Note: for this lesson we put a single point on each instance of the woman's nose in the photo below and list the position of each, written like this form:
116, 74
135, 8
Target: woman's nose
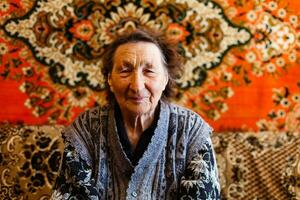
137, 82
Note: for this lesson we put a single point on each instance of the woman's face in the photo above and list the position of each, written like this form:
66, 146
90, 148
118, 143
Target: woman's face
138, 77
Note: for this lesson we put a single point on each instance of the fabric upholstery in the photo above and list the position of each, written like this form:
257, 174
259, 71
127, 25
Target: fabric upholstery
263, 165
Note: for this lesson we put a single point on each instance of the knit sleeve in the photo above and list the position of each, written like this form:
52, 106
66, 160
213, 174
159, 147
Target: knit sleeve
74, 180
200, 179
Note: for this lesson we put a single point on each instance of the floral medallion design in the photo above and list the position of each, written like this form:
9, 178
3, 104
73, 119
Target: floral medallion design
71, 36
237, 53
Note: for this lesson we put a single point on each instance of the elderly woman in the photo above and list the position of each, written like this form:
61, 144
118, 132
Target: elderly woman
140, 146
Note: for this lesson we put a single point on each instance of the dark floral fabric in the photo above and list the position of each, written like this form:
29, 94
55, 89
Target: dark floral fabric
74, 180
200, 180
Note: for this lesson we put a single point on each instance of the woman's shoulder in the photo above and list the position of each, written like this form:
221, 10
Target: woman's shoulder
190, 116
182, 111
88, 120
84, 130
97, 110
92, 114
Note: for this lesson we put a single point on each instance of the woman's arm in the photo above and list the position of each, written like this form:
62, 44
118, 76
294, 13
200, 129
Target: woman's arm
200, 179
74, 180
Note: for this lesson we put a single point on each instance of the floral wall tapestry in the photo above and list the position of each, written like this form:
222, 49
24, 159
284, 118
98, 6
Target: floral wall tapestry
242, 69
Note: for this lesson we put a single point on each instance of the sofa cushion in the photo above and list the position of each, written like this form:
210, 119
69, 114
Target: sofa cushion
29, 160
263, 165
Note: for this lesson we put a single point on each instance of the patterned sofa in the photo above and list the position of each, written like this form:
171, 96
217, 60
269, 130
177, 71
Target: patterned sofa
257, 166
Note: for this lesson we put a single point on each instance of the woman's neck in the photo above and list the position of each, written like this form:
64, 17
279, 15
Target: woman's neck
135, 125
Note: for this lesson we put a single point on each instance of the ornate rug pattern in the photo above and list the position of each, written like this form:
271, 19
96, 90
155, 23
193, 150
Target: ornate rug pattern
241, 58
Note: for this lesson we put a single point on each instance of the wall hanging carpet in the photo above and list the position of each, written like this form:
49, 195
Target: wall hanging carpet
241, 58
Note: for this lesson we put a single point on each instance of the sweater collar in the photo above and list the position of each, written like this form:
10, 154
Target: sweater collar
153, 150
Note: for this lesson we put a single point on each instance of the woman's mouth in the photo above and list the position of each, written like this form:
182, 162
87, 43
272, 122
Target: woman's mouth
137, 99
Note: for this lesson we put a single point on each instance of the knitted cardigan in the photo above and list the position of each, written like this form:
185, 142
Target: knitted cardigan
179, 162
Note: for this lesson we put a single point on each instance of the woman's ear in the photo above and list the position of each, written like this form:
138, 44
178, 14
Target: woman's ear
109, 83
166, 79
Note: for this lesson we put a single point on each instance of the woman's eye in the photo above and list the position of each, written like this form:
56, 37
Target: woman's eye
150, 71
125, 70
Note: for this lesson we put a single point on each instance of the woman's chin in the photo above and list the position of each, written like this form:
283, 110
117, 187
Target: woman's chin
139, 111
138, 108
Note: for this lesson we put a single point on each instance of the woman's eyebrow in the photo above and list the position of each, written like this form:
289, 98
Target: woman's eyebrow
148, 65
127, 63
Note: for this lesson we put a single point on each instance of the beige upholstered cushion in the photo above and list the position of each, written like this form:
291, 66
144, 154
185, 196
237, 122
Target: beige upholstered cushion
262, 165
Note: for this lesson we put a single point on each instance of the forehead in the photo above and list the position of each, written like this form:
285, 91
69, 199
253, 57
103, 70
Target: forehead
138, 52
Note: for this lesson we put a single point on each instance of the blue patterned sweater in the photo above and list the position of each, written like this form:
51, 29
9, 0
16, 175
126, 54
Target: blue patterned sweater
179, 162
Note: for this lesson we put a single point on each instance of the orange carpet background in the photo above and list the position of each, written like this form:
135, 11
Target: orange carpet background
245, 92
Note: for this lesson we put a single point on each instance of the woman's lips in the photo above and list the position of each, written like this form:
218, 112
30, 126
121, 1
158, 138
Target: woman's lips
137, 99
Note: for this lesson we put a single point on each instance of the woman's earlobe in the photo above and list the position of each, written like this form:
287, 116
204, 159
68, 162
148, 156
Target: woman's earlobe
111, 89
109, 86
167, 81
109, 83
